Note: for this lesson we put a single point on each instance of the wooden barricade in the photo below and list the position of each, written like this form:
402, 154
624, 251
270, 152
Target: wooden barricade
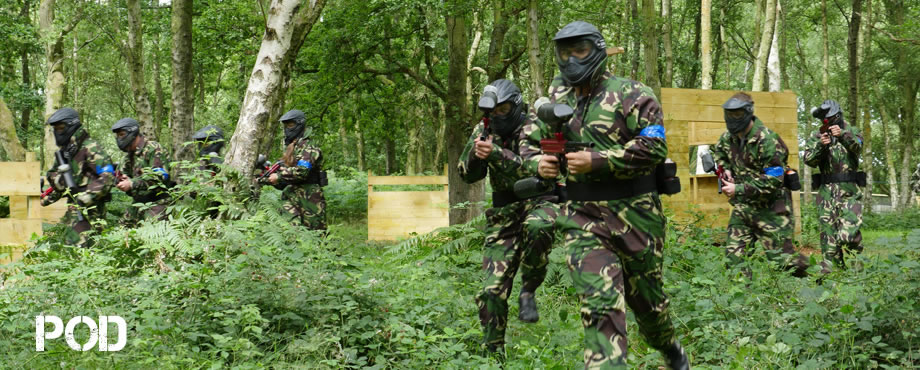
695, 117
395, 214
20, 183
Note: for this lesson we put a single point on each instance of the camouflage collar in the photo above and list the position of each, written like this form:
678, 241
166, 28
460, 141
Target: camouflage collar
755, 131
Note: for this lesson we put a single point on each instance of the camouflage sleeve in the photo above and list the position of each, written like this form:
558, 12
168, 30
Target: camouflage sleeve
472, 169
155, 176
768, 180
852, 139
101, 175
814, 150
647, 148
529, 143
720, 151
300, 171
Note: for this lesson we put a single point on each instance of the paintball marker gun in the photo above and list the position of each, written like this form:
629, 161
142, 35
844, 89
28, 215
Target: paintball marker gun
45, 192
820, 114
555, 115
64, 169
486, 104
710, 166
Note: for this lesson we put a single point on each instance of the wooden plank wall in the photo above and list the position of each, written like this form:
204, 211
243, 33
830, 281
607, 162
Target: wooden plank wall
20, 182
695, 117
392, 215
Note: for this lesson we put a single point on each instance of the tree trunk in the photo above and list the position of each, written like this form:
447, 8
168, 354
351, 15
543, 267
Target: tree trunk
286, 28
474, 48
825, 77
135, 56
650, 45
865, 44
889, 154
773, 68
907, 137
26, 75
458, 122
497, 41
413, 125
343, 133
853, 62
765, 39
359, 144
54, 82
533, 50
705, 43
389, 148
9, 141
668, 80
437, 111
159, 109
690, 81
634, 53
182, 114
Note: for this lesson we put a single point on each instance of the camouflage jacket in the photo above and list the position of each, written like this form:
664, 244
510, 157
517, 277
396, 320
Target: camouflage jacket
915, 180
621, 117
148, 168
305, 173
757, 163
504, 163
93, 173
841, 156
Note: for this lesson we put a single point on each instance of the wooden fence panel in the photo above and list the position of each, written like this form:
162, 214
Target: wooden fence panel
392, 215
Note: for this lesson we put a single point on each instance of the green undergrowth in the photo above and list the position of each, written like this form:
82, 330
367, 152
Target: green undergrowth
226, 283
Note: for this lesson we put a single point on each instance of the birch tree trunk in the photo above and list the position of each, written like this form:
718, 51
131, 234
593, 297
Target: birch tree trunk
533, 50
773, 68
764, 50
853, 61
359, 143
9, 141
26, 75
634, 53
497, 40
650, 45
457, 119
705, 43
54, 81
134, 52
288, 23
182, 114
159, 109
668, 80
474, 48
437, 111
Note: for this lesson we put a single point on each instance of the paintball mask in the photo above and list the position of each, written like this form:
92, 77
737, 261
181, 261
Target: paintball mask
580, 53
210, 140
297, 130
507, 113
131, 129
738, 114
71, 119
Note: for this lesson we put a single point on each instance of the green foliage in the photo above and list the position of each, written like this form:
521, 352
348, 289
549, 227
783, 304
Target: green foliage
346, 195
4, 207
906, 220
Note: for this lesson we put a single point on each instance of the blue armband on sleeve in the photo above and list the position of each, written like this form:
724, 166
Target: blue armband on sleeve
103, 169
776, 171
304, 164
653, 131
161, 171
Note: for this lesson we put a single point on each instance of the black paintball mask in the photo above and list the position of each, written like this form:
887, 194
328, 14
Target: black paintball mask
300, 125
738, 115
71, 119
508, 114
210, 140
581, 53
829, 113
131, 128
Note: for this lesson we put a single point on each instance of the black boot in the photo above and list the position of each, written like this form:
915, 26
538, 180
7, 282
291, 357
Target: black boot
676, 357
527, 308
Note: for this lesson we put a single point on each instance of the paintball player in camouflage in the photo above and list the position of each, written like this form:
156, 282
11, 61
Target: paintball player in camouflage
613, 221
91, 171
835, 150
519, 232
754, 158
144, 175
301, 177
210, 140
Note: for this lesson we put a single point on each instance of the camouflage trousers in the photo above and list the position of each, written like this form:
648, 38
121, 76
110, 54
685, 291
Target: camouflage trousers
840, 215
614, 254
133, 215
773, 227
79, 231
306, 206
518, 235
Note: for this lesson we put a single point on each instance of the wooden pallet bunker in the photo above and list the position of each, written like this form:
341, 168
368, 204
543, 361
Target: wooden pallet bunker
20, 183
695, 117
395, 214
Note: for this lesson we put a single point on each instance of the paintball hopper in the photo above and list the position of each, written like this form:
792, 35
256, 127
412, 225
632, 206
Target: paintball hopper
262, 162
552, 113
708, 164
489, 99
